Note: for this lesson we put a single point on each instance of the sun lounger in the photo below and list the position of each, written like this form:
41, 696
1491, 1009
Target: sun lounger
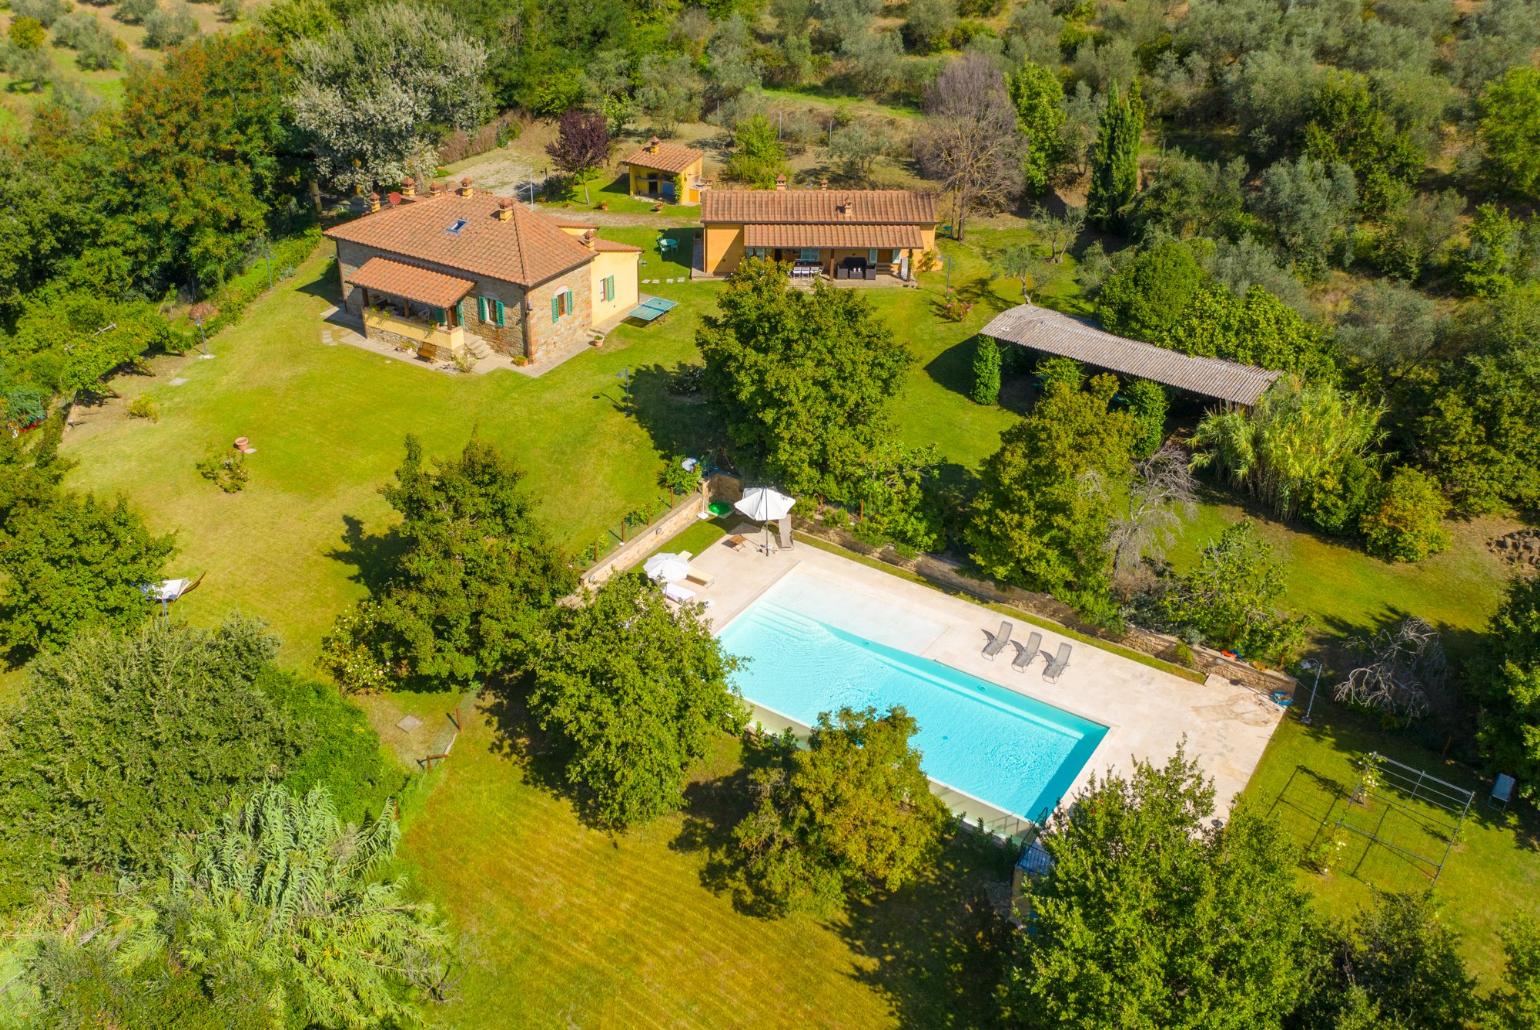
1026, 654
699, 576
998, 641
678, 594
1057, 664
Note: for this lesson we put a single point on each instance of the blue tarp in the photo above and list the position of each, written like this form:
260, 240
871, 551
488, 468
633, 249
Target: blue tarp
651, 309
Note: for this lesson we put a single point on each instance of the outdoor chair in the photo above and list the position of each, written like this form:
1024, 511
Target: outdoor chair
1057, 664
1502, 791
998, 641
737, 541
678, 594
1024, 655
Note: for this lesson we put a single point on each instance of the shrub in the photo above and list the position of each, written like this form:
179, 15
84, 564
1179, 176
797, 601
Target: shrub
231, 10
225, 468
1147, 402
144, 406
1407, 521
134, 12
44, 12
165, 28
24, 407
1146, 297
26, 34
986, 369
677, 479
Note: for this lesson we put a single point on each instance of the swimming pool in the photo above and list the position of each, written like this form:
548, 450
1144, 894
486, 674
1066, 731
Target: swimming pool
1007, 750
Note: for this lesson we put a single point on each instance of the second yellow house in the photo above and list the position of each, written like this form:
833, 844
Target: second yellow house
872, 235
670, 172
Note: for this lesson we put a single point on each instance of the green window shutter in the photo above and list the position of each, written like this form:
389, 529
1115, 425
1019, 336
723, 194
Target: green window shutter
497, 311
460, 312
555, 306
438, 315
481, 308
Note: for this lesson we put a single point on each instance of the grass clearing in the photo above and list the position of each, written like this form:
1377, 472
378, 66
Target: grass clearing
1492, 874
560, 924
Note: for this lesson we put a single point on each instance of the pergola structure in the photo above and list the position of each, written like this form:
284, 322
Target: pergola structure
1050, 332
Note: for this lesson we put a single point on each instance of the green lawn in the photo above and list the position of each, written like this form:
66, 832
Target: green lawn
1492, 874
559, 924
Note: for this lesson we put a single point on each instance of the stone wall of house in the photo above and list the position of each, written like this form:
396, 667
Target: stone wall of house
526, 333
549, 342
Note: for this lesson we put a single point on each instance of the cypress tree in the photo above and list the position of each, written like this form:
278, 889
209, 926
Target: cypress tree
1115, 160
986, 369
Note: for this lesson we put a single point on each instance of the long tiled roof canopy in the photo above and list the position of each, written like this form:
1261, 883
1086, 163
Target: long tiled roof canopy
669, 157
793, 207
854, 236
1053, 333
420, 284
465, 233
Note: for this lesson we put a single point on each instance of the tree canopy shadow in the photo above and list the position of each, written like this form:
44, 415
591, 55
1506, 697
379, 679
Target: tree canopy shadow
678, 423
938, 947
372, 555
325, 284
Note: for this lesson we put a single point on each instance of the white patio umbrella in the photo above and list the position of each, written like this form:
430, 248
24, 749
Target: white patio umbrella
666, 567
766, 505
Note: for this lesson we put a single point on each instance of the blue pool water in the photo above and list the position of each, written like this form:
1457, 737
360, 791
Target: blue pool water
1010, 751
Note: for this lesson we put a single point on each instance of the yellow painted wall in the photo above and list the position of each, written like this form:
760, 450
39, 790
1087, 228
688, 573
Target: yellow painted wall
623, 266
723, 249
689, 194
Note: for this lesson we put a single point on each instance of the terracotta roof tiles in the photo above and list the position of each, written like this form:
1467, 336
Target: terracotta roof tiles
669, 157
790, 207
420, 284
465, 233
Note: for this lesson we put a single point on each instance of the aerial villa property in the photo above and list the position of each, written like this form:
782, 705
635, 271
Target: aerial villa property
670, 172
462, 274
874, 236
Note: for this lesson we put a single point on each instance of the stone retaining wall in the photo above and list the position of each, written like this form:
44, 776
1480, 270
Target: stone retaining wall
649, 538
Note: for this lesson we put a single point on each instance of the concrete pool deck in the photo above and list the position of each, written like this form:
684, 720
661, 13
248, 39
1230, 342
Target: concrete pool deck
1146, 711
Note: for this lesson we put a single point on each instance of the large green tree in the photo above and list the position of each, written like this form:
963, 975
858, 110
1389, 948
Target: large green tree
632, 691
1044, 509
1151, 916
123, 744
375, 94
464, 596
1149, 294
202, 155
1038, 96
805, 383
1506, 682
1479, 430
1395, 964
849, 814
1254, 329
1349, 123
70, 563
1509, 127
1115, 161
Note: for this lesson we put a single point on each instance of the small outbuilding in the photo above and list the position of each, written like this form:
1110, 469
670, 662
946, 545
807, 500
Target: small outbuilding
670, 172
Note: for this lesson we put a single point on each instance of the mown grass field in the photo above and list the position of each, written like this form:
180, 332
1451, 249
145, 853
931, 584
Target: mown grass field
560, 923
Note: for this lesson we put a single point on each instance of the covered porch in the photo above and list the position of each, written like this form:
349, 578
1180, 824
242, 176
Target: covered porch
872, 254
416, 307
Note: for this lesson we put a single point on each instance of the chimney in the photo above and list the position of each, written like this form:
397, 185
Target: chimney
436, 189
845, 207
652, 145
823, 183
504, 208
374, 202
780, 182
588, 239
408, 187
465, 187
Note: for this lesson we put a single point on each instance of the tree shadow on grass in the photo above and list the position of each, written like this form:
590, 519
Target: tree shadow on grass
371, 554
937, 948
712, 809
325, 284
682, 424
